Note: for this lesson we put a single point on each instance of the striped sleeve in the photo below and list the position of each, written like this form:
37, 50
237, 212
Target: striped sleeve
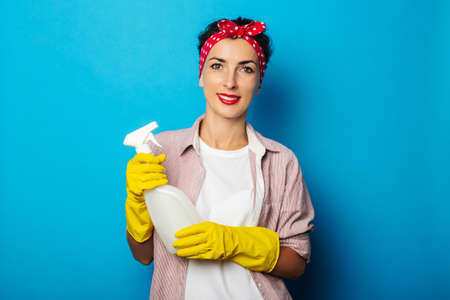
296, 212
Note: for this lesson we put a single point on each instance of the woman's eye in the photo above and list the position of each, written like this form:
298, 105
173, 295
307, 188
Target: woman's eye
248, 69
216, 66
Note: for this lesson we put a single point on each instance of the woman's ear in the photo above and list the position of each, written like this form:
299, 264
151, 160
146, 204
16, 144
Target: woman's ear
257, 90
201, 83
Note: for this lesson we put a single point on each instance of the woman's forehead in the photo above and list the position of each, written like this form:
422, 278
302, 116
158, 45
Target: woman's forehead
233, 49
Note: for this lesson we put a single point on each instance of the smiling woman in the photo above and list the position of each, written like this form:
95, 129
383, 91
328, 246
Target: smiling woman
248, 189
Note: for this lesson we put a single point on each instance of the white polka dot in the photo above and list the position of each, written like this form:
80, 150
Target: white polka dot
254, 28
236, 28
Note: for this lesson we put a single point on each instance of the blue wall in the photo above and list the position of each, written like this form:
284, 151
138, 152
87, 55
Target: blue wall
359, 90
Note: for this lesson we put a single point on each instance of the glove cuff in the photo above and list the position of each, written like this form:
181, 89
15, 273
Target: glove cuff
276, 253
258, 248
139, 223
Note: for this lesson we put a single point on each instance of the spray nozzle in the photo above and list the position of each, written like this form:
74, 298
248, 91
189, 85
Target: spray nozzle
140, 138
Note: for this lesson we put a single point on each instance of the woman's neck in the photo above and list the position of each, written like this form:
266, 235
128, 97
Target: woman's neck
223, 134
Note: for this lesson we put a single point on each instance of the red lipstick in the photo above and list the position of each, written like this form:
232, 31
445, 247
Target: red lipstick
228, 99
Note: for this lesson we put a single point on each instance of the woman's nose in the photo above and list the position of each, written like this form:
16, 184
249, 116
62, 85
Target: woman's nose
230, 80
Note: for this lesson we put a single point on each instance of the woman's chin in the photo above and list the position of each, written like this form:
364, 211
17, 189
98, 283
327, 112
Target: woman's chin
230, 113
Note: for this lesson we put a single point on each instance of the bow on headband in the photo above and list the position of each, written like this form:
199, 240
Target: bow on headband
229, 29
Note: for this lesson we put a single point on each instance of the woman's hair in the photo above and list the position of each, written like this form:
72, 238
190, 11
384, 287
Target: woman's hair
262, 39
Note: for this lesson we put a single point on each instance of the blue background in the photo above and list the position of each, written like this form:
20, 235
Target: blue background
359, 90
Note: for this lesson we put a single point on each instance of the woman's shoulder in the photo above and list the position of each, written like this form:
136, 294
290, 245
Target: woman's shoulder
280, 154
281, 157
275, 147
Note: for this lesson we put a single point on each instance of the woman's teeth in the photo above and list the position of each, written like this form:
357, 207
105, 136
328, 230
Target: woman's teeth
229, 98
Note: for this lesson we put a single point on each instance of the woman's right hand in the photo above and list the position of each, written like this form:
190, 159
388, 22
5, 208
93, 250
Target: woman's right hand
144, 172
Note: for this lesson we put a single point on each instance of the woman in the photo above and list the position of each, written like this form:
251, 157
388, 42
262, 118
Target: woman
249, 188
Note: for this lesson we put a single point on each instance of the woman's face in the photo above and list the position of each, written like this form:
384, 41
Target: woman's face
230, 78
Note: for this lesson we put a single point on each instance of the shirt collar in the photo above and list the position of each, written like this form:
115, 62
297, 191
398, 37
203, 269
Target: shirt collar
256, 142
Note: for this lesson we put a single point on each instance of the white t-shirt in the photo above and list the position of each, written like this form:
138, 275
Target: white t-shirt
226, 197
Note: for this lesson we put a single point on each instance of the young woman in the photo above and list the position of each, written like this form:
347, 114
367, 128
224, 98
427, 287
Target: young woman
249, 188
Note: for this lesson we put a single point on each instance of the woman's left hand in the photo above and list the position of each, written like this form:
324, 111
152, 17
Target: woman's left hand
255, 248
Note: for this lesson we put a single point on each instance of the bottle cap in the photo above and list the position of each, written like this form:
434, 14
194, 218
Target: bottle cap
140, 138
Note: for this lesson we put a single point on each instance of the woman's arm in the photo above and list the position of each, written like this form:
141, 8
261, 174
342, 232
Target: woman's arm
290, 265
142, 252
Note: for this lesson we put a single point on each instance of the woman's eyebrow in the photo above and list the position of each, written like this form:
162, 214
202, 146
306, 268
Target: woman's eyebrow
241, 62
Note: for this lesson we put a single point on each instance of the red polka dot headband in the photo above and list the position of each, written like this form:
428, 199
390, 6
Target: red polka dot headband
229, 29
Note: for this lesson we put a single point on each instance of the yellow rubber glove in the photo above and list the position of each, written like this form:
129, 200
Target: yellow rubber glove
254, 248
144, 172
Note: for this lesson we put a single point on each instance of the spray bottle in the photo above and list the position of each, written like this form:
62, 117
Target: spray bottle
169, 207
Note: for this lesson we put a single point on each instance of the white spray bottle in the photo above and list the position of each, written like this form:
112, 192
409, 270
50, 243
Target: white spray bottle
169, 207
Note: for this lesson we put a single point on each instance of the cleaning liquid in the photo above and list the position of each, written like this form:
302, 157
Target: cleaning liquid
169, 207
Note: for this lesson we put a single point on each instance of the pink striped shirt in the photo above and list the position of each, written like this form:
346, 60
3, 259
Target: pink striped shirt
285, 208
